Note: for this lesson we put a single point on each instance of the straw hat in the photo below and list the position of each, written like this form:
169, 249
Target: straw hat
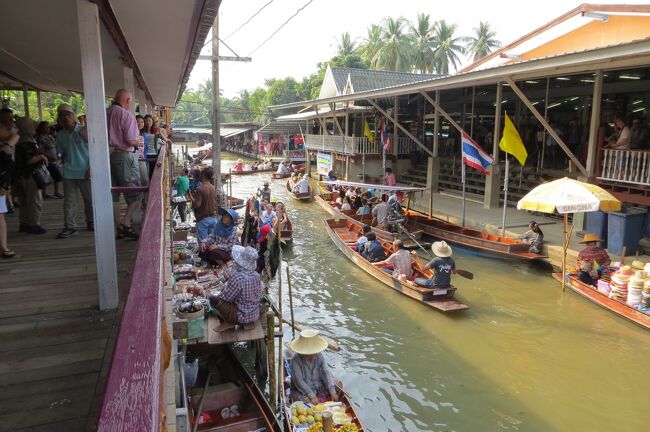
239, 161
441, 249
308, 343
245, 257
646, 268
591, 237
636, 282
638, 265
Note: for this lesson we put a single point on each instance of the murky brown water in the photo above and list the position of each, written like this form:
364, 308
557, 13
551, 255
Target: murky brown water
524, 357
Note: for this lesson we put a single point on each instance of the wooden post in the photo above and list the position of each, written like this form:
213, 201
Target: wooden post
270, 343
39, 105
293, 321
497, 123
280, 363
594, 125
26, 99
436, 126
92, 69
395, 132
216, 121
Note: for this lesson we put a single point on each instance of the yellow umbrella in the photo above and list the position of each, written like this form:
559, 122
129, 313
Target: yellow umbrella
566, 196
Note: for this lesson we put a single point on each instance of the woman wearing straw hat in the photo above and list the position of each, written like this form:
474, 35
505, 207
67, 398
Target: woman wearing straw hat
587, 256
442, 265
239, 166
311, 380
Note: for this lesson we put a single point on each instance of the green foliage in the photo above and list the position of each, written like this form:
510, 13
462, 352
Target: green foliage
49, 103
482, 42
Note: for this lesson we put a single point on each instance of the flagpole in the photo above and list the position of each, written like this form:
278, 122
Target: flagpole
505, 196
462, 173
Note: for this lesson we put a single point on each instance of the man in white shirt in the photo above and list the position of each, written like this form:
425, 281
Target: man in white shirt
380, 213
400, 261
282, 169
268, 215
302, 186
622, 142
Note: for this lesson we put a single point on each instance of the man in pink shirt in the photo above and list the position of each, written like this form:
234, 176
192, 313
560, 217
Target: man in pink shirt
123, 139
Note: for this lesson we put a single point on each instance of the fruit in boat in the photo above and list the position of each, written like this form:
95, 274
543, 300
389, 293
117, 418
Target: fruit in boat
294, 412
302, 419
341, 418
318, 427
318, 417
310, 419
295, 420
320, 407
348, 428
310, 411
302, 411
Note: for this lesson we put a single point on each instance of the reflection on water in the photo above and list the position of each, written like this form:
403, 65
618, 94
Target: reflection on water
524, 357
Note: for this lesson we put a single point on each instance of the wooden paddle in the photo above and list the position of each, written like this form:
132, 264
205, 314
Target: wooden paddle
466, 274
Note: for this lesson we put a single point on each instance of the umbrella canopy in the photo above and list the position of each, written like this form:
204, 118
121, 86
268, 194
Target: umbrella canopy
566, 195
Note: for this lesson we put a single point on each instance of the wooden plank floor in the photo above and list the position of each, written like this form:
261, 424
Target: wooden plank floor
56, 345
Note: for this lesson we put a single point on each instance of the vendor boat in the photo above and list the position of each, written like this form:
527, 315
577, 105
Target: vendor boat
214, 403
621, 309
234, 202
300, 168
305, 196
344, 234
286, 235
346, 407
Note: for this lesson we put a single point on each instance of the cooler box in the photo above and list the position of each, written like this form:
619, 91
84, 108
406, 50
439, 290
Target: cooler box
625, 230
596, 222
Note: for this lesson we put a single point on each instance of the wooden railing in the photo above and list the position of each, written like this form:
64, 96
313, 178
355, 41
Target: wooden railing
133, 394
406, 146
342, 144
626, 166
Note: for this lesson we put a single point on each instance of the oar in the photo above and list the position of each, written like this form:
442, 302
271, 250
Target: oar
466, 274
412, 237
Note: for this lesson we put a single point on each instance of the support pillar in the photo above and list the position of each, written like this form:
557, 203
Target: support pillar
26, 100
594, 125
216, 120
92, 69
493, 181
39, 104
433, 171
395, 132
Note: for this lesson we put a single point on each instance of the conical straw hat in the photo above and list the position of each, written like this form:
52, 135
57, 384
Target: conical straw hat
308, 343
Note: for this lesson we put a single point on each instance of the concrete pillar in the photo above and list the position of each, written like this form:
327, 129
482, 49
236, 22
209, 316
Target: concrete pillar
129, 84
594, 124
493, 181
92, 69
433, 176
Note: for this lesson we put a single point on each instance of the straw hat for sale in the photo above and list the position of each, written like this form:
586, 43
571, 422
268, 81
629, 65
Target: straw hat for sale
636, 264
636, 282
646, 268
308, 343
441, 249
591, 237
245, 257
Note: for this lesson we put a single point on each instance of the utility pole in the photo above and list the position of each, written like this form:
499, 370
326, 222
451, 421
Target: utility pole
216, 121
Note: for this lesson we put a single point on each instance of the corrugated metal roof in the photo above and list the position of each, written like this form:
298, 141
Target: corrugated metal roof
366, 79
285, 127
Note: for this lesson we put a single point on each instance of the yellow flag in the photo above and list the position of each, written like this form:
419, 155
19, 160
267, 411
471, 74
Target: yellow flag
511, 142
368, 133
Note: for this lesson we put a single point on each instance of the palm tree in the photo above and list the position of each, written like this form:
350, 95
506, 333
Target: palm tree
370, 46
422, 35
447, 47
482, 42
346, 46
395, 48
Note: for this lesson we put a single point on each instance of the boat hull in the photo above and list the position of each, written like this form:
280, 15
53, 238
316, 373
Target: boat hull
245, 173
304, 197
439, 299
591, 293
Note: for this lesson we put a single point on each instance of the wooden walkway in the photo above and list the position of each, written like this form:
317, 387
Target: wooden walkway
56, 346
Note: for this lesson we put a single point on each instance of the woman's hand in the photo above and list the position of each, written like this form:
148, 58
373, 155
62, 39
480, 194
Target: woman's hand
314, 400
334, 397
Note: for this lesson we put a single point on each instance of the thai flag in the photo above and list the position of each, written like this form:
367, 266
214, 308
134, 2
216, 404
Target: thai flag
385, 138
475, 156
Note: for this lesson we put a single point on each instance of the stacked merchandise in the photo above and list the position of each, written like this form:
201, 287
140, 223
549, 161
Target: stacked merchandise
635, 288
645, 295
619, 284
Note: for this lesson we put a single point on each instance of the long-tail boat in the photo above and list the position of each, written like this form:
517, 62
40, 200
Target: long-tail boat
344, 234
300, 168
621, 309
471, 239
249, 172
304, 196
326, 201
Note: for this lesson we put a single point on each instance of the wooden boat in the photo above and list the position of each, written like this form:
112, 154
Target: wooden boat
344, 399
344, 234
235, 203
286, 235
325, 200
467, 238
300, 168
249, 172
238, 389
621, 309
306, 196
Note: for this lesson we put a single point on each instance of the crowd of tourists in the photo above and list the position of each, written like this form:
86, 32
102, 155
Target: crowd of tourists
35, 155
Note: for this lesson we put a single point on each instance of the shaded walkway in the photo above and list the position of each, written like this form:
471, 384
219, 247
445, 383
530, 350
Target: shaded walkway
56, 344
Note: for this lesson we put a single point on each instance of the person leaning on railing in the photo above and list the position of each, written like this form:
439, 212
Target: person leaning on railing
620, 140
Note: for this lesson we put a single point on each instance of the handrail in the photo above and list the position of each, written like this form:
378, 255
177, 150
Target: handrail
626, 166
132, 399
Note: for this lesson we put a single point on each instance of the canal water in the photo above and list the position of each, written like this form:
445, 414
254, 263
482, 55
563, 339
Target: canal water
524, 357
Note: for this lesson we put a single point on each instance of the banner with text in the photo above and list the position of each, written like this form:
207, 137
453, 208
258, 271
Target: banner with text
324, 163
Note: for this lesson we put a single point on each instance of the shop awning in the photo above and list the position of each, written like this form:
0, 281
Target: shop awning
373, 186
229, 132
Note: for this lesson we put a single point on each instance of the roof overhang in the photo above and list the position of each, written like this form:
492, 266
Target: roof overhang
321, 112
632, 54
158, 39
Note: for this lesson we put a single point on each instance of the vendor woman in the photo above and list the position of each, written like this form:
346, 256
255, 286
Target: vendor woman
590, 259
216, 249
311, 380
